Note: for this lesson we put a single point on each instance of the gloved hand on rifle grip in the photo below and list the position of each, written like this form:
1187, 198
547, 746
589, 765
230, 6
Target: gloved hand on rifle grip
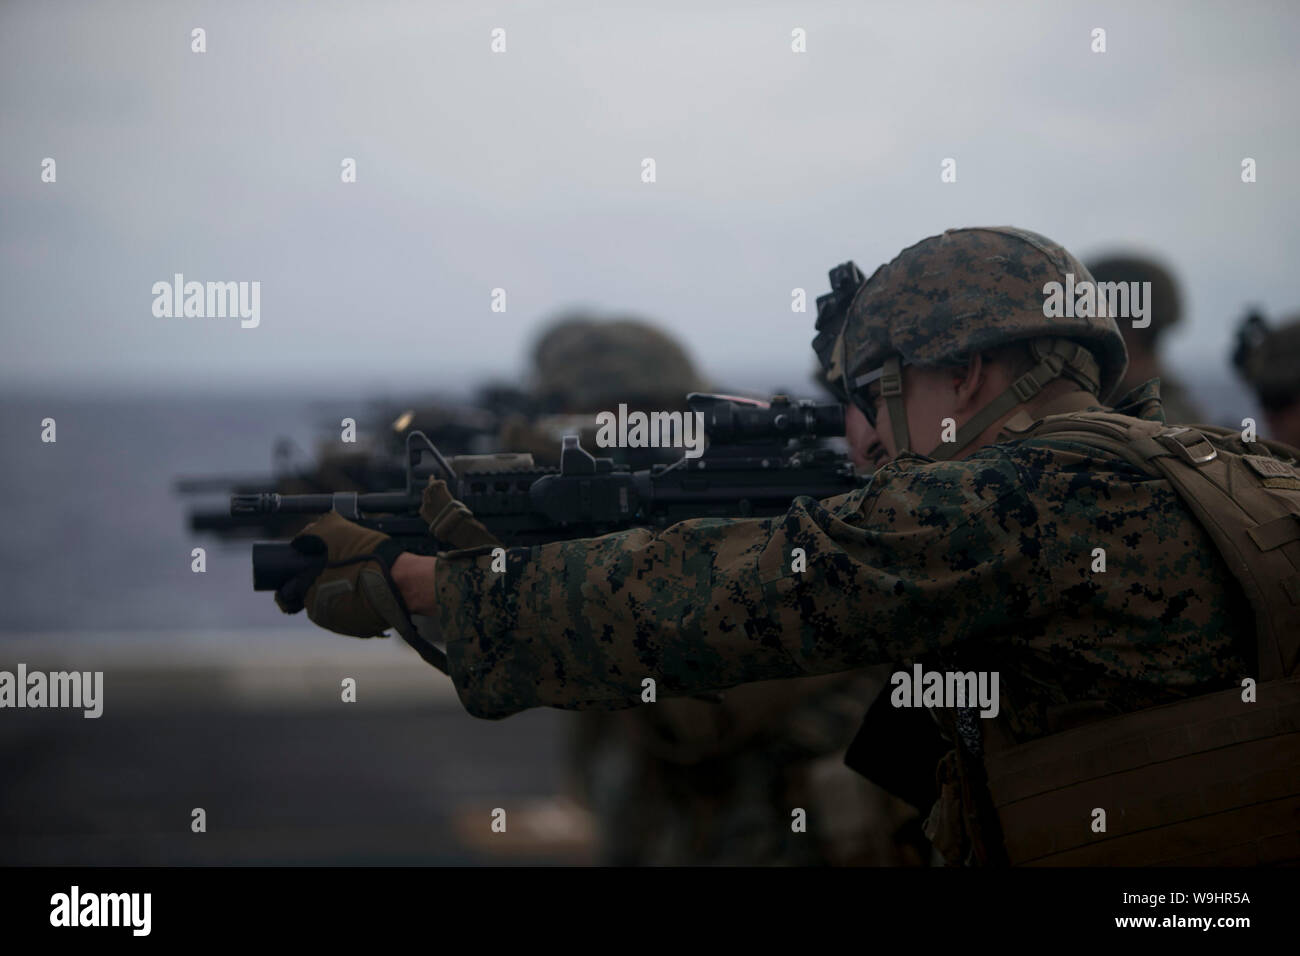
352, 592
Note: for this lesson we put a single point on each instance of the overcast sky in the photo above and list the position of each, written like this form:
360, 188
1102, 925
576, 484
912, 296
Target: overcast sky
522, 170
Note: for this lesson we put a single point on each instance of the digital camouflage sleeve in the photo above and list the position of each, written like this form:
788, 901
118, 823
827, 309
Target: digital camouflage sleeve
985, 563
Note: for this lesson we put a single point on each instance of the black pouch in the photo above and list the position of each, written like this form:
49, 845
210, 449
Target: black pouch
898, 748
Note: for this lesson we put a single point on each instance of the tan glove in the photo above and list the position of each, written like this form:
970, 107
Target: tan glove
353, 592
453, 524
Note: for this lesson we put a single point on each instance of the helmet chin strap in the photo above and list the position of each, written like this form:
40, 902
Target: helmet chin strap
891, 390
1057, 358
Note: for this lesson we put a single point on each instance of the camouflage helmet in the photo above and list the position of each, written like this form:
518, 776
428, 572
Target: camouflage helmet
583, 364
1166, 297
951, 296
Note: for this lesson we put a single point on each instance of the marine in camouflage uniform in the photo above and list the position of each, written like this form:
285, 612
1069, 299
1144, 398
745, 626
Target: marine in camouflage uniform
975, 557
1145, 345
986, 556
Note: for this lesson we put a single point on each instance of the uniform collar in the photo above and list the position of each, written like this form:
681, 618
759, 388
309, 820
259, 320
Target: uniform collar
1143, 402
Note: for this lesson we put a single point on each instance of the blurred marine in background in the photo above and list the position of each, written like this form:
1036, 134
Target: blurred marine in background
1144, 345
1268, 358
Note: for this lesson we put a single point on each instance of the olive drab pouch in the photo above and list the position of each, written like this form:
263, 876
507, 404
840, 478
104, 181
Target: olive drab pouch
1213, 780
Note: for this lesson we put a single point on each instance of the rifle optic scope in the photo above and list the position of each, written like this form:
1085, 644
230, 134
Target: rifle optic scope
732, 420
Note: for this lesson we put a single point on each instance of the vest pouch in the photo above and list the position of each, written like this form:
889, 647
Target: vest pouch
1208, 781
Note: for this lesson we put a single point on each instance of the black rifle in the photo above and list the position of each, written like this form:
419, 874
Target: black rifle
760, 457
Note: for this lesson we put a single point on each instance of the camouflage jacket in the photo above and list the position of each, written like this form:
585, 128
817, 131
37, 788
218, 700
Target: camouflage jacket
983, 563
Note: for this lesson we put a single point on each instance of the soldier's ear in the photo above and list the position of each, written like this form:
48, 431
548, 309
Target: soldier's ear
968, 381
